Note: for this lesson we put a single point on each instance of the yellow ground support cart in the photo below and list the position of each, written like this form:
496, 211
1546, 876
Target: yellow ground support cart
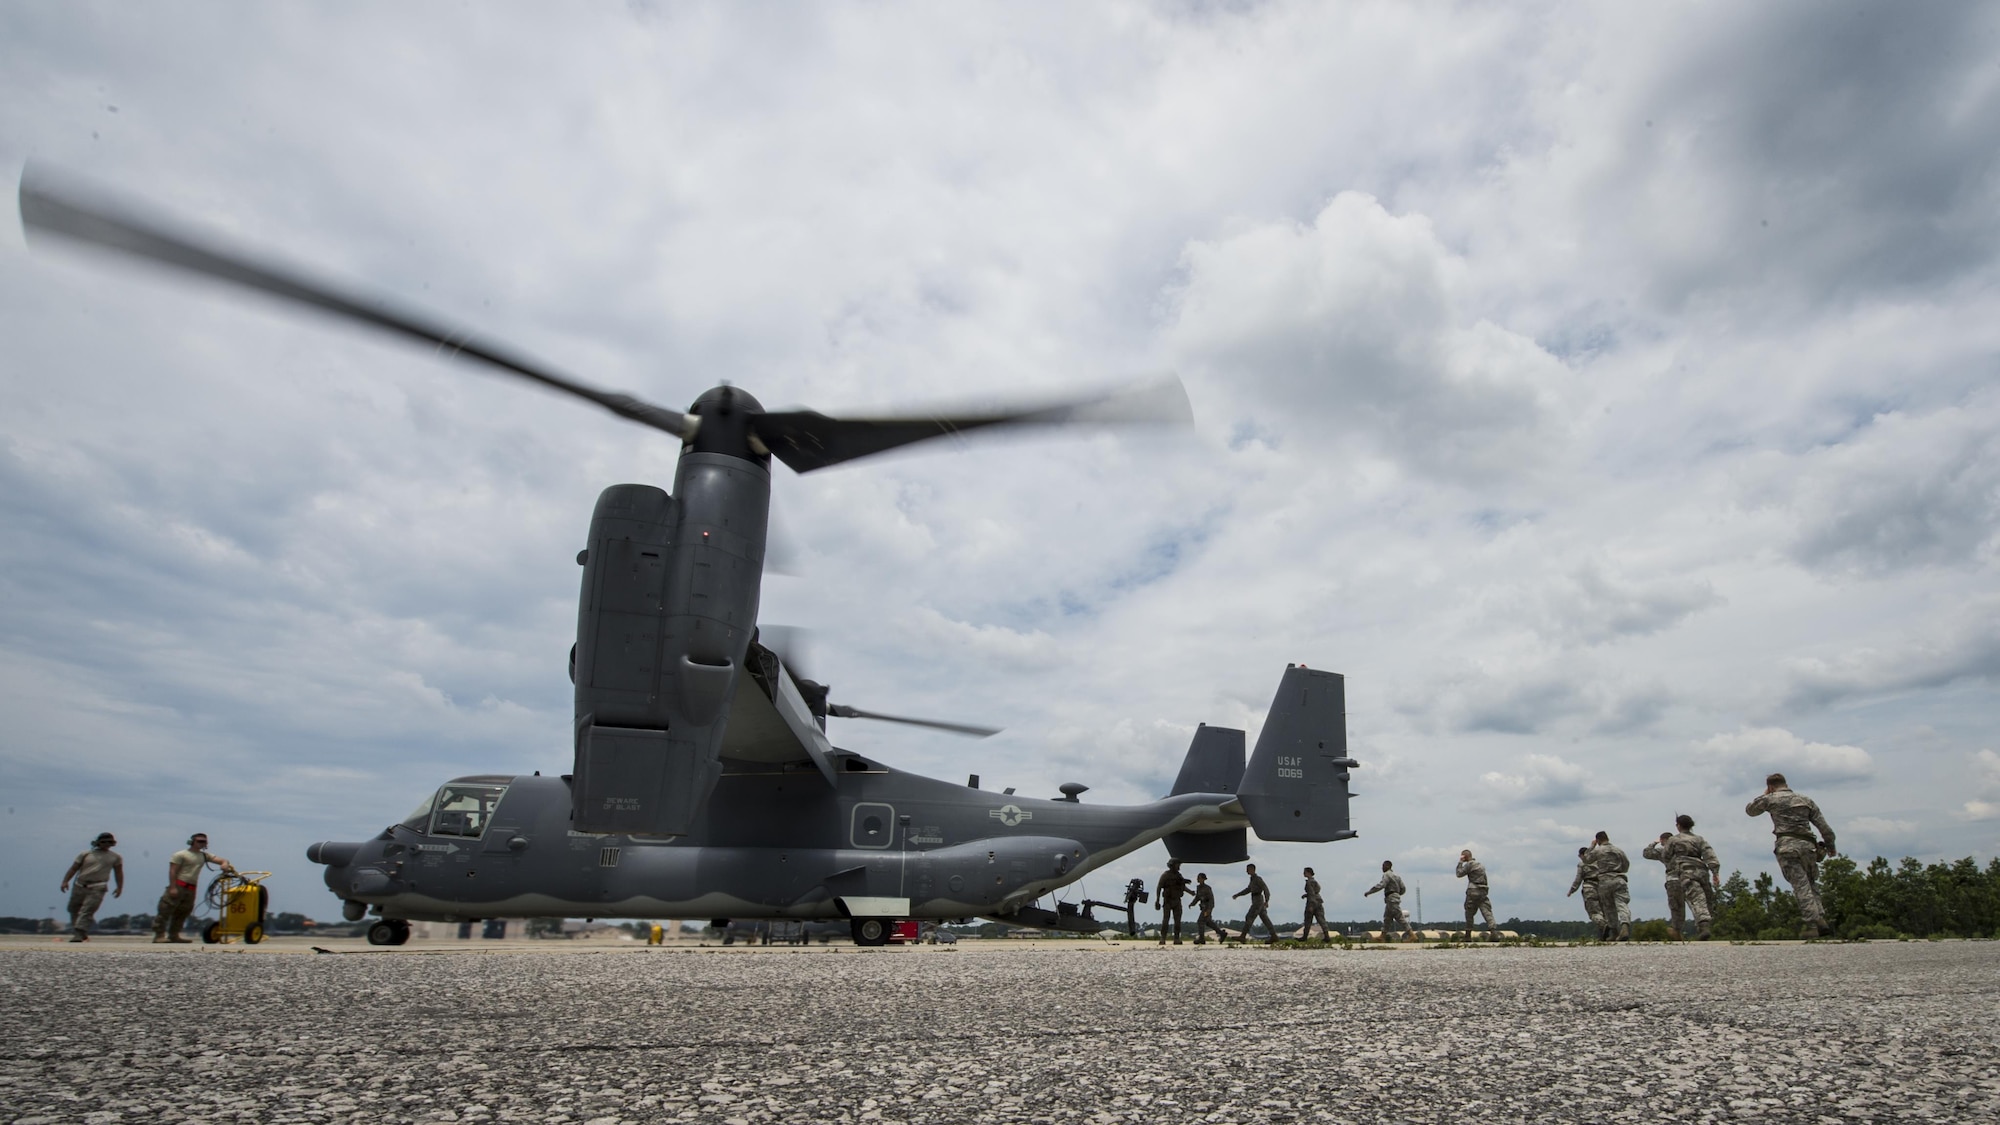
240, 898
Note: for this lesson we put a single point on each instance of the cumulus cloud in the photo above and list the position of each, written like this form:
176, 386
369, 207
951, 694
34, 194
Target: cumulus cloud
1740, 760
1984, 803
1350, 322
1542, 780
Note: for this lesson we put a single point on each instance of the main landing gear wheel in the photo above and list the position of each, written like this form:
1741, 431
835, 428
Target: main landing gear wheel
871, 931
390, 931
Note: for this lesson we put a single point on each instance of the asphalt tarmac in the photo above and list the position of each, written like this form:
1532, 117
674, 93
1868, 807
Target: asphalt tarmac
602, 1033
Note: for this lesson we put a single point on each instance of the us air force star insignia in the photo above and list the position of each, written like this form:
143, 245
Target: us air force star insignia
1010, 815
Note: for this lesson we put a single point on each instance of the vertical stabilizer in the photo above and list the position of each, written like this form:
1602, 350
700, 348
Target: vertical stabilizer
1214, 764
1295, 787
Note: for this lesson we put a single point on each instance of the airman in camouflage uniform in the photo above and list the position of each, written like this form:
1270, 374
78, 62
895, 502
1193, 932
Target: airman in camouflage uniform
1204, 903
1260, 905
1694, 871
1586, 881
1172, 886
91, 872
1315, 908
1391, 887
1474, 874
1614, 897
1658, 850
1793, 818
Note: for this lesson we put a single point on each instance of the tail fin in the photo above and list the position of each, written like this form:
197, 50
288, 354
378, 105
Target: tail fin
1214, 764
1296, 784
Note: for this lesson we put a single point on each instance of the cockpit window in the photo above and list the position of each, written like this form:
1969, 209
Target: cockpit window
420, 816
464, 810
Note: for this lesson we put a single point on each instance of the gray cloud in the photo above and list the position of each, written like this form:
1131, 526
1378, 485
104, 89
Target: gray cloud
1906, 492
1970, 650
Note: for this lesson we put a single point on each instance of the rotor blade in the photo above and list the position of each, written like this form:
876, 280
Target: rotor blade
808, 440
51, 207
846, 712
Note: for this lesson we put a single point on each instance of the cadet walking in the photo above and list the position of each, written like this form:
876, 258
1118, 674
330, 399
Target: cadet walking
1172, 886
1658, 850
1614, 898
1204, 904
1793, 818
1692, 865
184, 870
1586, 881
1476, 901
91, 871
1260, 904
1315, 908
1391, 886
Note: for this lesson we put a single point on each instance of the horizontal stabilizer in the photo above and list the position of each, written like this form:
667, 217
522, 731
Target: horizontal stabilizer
1296, 785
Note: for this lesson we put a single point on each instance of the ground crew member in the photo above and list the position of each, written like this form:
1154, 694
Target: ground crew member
1614, 897
1260, 904
1172, 886
1694, 867
1204, 902
1658, 850
1793, 818
1391, 887
1476, 901
184, 870
1586, 881
91, 871
1315, 908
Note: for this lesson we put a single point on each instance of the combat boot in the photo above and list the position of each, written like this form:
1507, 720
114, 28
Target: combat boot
1809, 931
1492, 935
1625, 932
78, 936
1701, 931
159, 939
1673, 933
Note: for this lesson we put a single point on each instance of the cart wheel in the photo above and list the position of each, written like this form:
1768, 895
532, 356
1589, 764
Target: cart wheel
384, 933
208, 933
254, 934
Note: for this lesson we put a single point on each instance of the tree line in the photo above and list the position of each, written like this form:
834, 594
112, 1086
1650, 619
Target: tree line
1909, 899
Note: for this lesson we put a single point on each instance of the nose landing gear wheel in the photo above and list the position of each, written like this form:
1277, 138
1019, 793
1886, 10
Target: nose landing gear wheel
871, 931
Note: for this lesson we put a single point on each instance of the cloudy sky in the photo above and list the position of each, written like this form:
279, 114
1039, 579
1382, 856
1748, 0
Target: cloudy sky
1608, 391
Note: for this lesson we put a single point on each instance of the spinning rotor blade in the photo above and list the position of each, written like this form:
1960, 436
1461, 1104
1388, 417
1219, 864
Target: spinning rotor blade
808, 440
846, 712
50, 207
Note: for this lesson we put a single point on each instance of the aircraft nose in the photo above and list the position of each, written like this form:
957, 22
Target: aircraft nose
333, 853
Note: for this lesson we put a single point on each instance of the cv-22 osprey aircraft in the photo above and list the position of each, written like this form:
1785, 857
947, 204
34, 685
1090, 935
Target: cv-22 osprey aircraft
704, 783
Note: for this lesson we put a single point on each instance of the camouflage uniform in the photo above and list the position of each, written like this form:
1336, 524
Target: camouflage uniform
1658, 850
1204, 904
1793, 818
1260, 906
1586, 882
1315, 909
1172, 886
1614, 897
1693, 866
1392, 888
92, 874
1474, 874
